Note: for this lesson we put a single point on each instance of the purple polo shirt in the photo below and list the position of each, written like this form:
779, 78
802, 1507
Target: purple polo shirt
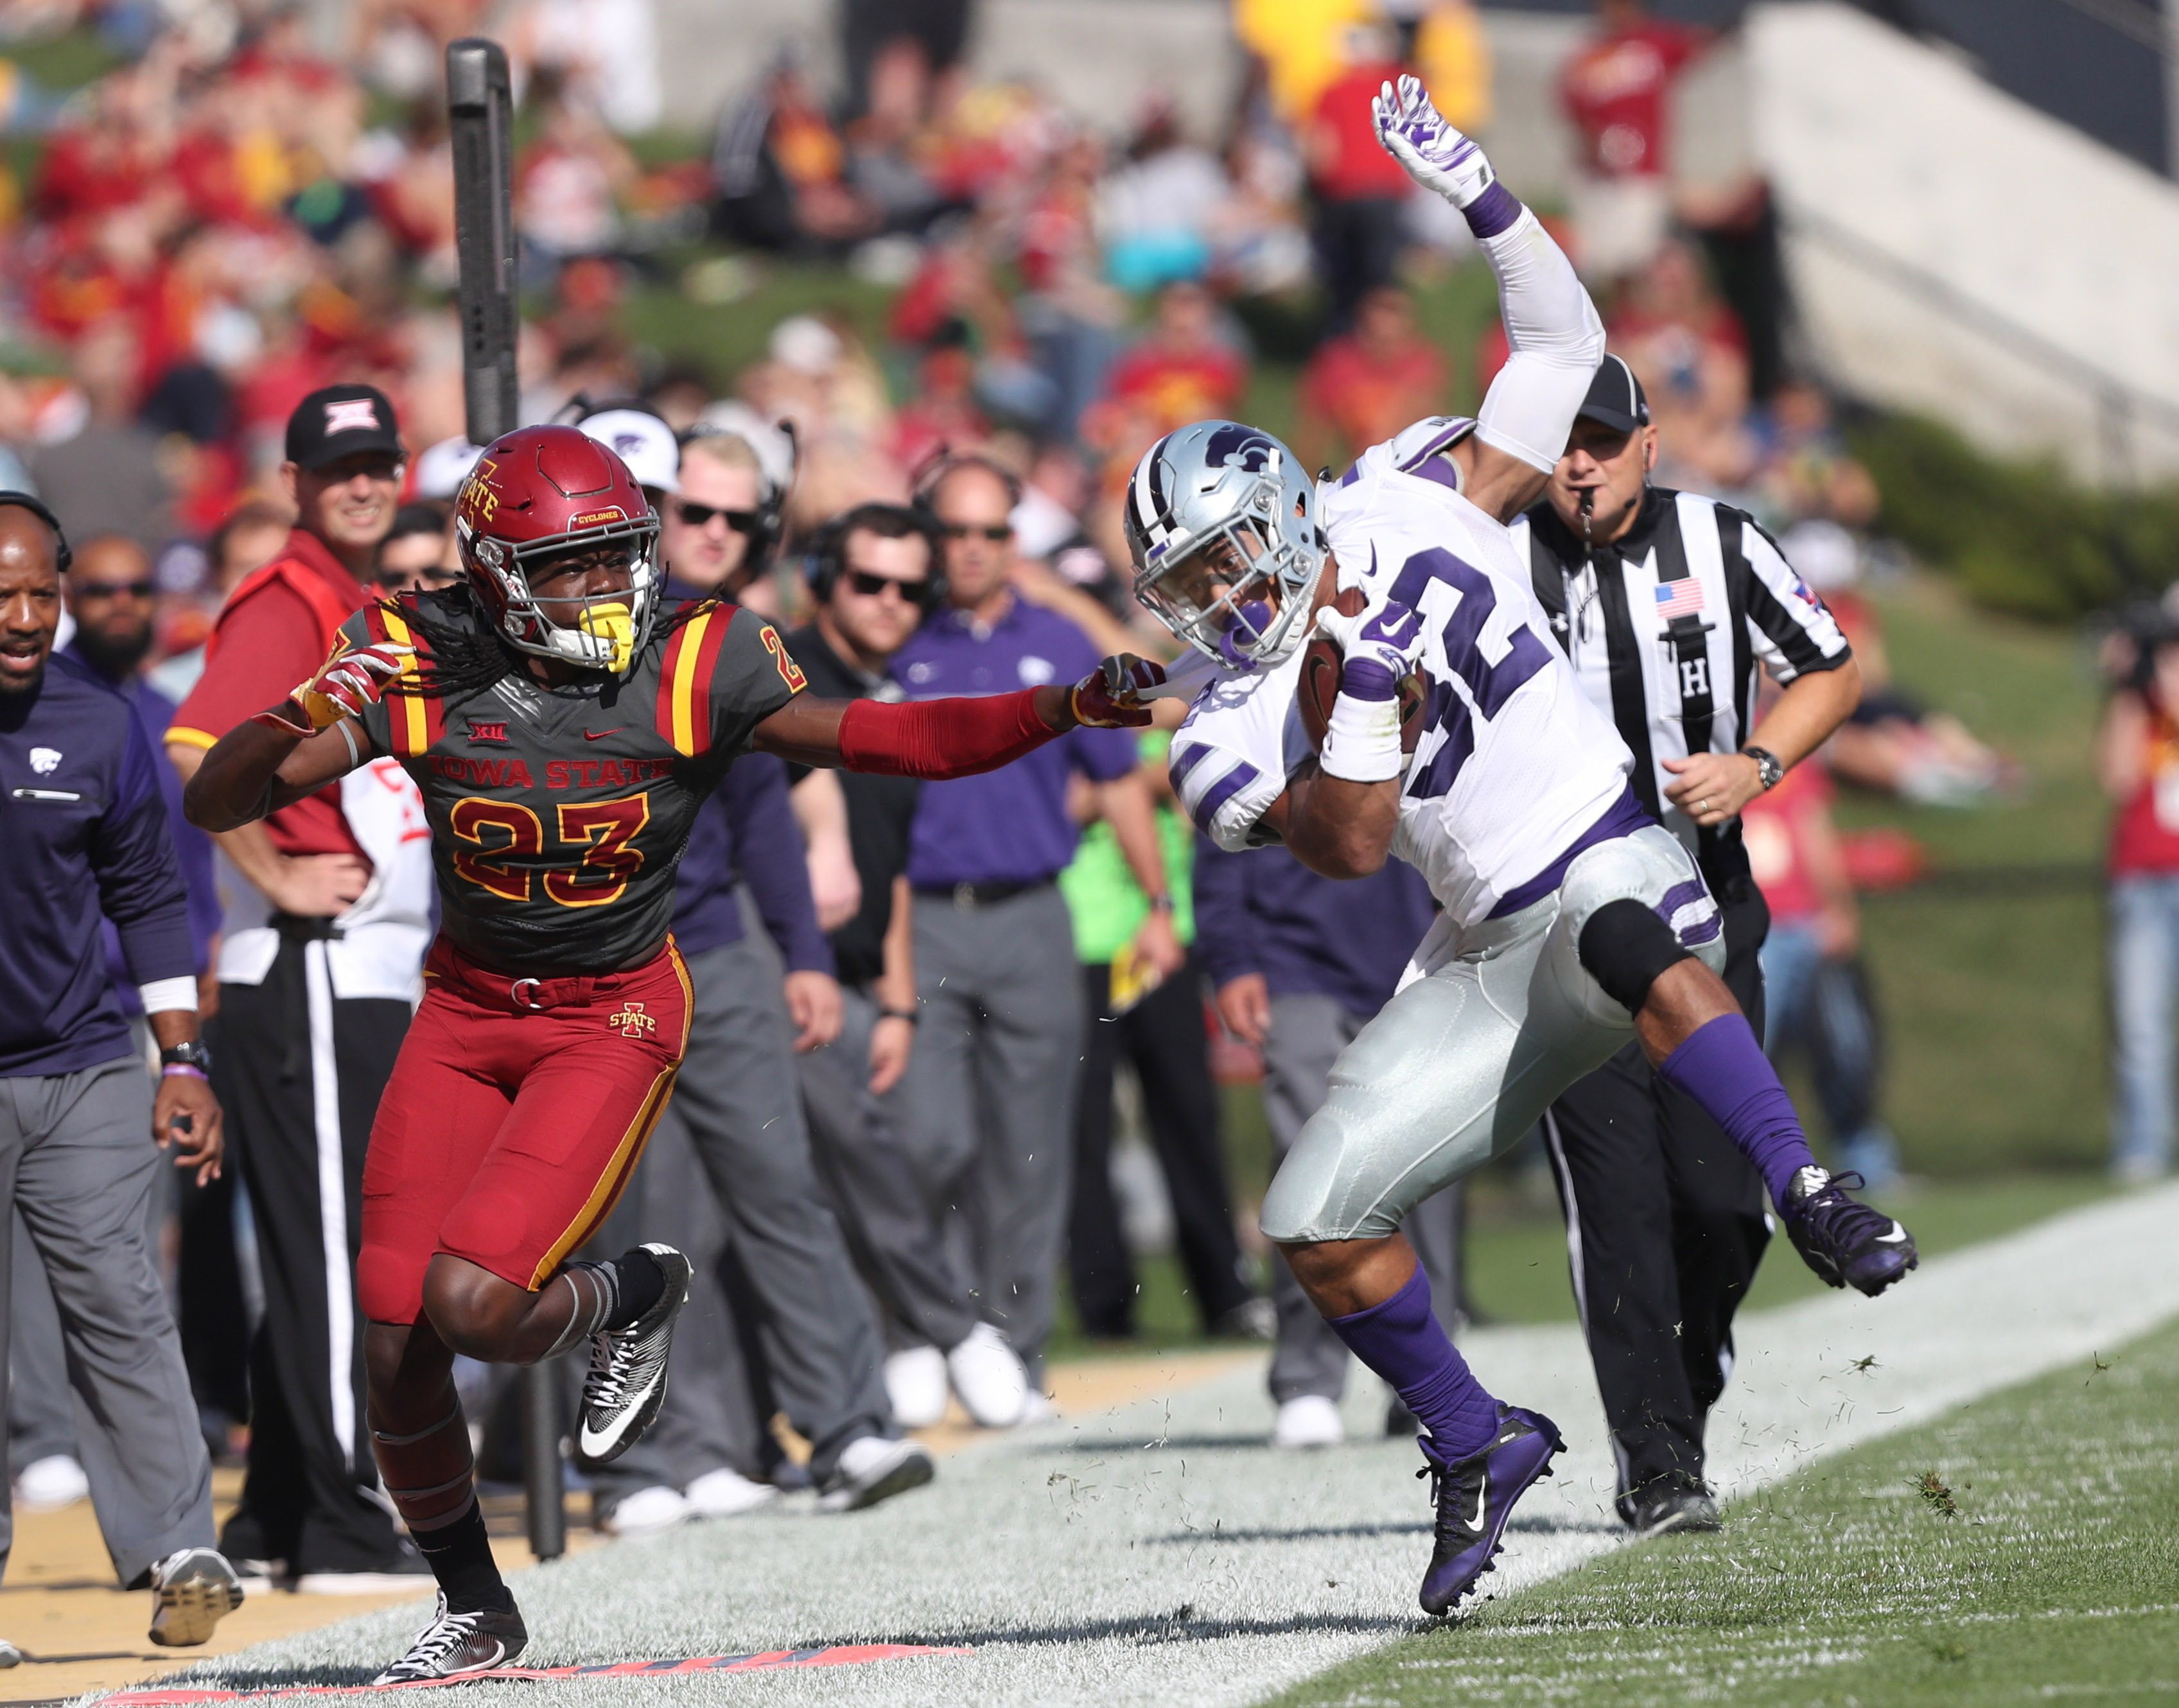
1008, 826
1264, 912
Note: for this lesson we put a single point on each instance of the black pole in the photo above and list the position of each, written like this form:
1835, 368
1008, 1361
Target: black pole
541, 1479
481, 118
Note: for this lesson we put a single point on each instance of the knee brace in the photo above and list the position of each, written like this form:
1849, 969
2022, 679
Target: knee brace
1625, 947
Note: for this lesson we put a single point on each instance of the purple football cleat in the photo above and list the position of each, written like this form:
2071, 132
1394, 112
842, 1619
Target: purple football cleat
1475, 1496
1844, 1241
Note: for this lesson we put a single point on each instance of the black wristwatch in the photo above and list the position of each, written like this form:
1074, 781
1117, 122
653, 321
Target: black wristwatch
1766, 765
912, 1016
195, 1053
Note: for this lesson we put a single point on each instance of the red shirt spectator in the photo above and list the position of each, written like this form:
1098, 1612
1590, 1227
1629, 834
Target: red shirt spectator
1361, 389
1779, 826
270, 635
1615, 91
1347, 163
2145, 834
1181, 372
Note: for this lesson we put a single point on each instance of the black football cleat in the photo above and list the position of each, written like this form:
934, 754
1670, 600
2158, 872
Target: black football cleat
455, 1644
1842, 1240
627, 1380
1475, 1496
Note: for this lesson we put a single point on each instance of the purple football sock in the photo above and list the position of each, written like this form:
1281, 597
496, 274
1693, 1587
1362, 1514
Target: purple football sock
1400, 1340
1723, 1068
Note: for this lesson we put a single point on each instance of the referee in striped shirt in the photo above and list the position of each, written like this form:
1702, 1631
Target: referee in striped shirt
1666, 603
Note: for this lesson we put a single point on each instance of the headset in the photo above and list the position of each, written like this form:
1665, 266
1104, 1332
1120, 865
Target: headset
25, 501
826, 559
771, 501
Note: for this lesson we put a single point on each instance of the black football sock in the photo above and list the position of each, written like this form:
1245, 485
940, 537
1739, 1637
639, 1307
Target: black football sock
459, 1555
638, 1284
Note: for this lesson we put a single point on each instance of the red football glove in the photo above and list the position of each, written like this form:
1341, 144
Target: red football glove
341, 687
1106, 698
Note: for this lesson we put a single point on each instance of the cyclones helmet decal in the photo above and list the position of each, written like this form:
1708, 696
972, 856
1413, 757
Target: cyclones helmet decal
539, 493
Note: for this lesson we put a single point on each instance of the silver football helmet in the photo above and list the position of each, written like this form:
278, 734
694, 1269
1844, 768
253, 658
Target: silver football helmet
1222, 524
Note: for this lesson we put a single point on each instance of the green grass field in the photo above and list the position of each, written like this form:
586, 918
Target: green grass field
2047, 1569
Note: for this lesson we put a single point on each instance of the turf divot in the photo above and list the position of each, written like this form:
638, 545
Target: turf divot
1159, 1553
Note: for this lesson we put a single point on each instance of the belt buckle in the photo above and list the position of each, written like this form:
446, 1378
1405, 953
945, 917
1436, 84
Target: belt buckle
964, 897
515, 995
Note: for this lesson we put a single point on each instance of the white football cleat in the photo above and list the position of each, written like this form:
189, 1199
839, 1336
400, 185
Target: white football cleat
47, 1485
1307, 1420
988, 1379
726, 1493
647, 1512
915, 1384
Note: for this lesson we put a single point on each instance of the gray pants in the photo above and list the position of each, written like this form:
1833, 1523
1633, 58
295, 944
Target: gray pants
77, 1162
737, 1116
897, 1244
1306, 1036
991, 1094
1488, 1026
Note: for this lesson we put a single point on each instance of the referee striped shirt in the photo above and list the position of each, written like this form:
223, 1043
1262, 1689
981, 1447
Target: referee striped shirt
1665, 627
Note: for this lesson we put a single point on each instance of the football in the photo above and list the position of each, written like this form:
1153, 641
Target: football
1319, 683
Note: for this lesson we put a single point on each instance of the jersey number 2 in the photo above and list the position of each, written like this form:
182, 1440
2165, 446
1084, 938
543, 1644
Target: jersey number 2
1492, 682
603, 831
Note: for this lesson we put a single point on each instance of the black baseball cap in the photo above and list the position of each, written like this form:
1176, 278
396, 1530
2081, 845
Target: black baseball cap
1616, 399
336, 421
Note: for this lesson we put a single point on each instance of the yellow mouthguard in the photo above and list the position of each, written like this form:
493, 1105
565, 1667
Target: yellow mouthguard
614, 624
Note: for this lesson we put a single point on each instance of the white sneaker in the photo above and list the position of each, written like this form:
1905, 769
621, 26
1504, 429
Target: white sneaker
51, 1483
989, 1379
1037, 1408
1307, 1420
873, 1469
647, 1512
725, 1493
192, 1591
915, 1384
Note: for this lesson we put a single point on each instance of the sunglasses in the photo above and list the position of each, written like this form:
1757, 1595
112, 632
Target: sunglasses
115, 590
430, 578
998, 534
872, 586
699, 515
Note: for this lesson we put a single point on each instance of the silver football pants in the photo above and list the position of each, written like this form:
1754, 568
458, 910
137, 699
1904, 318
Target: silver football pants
1489, 1024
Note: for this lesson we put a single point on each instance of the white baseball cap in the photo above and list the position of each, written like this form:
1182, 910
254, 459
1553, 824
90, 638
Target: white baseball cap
643, 441
440, 471
773, 446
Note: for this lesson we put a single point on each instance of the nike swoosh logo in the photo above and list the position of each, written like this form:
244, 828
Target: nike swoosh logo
1481, 1489
601, 735
498, 1655
1897, 1236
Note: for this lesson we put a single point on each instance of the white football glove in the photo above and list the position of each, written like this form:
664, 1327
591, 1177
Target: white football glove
1414, 132
1379, 647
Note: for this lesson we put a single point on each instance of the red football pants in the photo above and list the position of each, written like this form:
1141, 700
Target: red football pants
514, 1117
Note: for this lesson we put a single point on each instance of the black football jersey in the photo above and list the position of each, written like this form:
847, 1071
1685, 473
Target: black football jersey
558, 815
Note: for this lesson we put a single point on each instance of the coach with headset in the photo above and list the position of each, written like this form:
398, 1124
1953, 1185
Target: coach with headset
1666, 602
991, 1089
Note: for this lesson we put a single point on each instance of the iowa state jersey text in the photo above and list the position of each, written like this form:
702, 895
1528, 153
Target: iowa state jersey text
558, 815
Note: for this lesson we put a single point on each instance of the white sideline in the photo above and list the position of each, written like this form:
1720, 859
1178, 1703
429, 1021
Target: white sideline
1159, 1554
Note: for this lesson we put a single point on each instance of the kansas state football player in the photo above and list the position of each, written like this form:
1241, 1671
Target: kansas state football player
1569, 916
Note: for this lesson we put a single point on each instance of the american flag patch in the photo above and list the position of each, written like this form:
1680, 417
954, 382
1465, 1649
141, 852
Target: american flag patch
1680, 598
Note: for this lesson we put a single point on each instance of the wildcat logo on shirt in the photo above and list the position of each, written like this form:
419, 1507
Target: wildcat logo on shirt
45, 761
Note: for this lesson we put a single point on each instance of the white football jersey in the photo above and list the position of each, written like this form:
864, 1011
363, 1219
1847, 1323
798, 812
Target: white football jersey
1514, 764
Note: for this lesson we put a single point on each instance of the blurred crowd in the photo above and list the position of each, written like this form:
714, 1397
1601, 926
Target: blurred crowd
239, 214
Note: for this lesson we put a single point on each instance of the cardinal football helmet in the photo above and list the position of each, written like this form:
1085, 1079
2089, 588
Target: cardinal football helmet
1215, 504
539, 493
